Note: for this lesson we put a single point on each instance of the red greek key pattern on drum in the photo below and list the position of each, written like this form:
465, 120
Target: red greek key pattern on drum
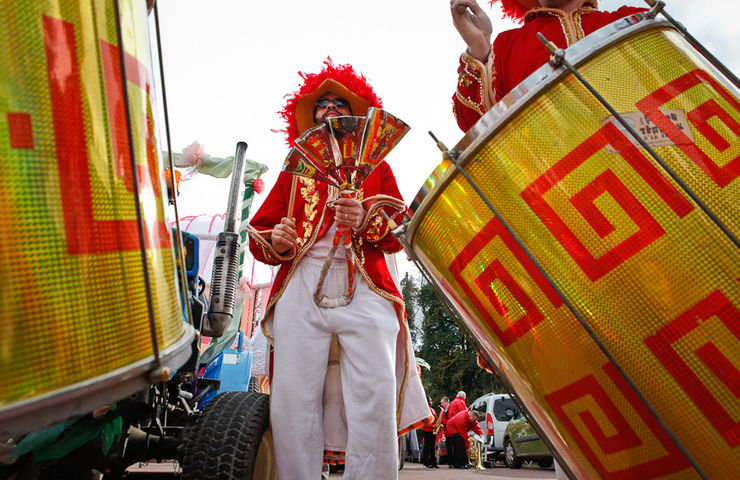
137, 74
495, 271
700, 116
578, 406
648, 228
20, 130
715, 307
86, 234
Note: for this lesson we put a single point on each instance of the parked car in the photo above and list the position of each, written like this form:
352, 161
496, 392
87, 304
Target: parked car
521, 442
496, 409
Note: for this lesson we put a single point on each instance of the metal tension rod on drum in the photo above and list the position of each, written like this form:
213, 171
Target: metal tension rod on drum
179, 250
399, 231
558, 59
658, 6
135, 177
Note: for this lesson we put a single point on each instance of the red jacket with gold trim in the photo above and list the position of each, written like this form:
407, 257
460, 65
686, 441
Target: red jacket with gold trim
517, 53
429, 427
313, 219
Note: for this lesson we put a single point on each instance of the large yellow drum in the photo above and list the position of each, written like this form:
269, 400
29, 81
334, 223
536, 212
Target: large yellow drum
604, 294
81, 320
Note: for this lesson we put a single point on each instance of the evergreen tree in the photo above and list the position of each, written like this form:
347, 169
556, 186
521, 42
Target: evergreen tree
410, 292
448, 351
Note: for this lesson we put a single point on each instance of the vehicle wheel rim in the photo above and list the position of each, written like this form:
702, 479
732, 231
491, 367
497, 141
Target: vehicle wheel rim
265, 467
509, 454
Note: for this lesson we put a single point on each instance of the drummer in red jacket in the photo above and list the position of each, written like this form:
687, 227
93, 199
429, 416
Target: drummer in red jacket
488, 72
458, 427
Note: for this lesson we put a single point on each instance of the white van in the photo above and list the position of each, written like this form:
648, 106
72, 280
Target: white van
496, 409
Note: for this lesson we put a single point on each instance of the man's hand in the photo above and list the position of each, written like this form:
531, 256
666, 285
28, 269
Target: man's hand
284, 235
474, 27
348, 212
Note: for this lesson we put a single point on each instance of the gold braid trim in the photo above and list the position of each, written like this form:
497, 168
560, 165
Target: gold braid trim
569, 22
267, 248
357, 242
374, 227
586, 6
578, 25
484, 74
311, 197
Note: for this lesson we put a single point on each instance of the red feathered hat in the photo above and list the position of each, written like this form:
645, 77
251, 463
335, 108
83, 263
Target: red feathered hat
338, 79
516, 9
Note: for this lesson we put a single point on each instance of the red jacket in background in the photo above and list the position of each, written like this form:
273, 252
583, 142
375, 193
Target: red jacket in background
461, 423
456, 406
429, 427
517, 53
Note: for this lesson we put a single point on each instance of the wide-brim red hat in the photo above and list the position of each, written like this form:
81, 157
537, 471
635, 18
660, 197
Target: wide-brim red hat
341, 80
516, 9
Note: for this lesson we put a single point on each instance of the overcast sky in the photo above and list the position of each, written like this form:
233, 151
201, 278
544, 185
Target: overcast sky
229, 63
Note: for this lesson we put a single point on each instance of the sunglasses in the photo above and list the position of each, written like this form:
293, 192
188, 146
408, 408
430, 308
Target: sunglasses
338, 102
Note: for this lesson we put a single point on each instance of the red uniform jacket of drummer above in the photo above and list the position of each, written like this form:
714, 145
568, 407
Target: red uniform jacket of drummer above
462, 424
517, 53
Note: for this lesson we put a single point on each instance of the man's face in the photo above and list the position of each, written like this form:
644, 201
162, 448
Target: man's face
330, 105
444, 403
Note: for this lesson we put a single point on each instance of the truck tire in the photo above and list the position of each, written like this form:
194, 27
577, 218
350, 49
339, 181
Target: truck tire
225, 440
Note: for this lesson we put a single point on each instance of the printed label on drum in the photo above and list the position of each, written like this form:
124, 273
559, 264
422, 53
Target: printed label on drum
650, 133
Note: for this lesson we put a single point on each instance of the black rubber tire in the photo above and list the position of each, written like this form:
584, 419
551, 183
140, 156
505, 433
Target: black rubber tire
512, 461
223, 442
254, 385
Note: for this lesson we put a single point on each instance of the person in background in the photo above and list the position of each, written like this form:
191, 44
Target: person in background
444, 403
488, 71
428, 457
372, 393
458, 426
456, 406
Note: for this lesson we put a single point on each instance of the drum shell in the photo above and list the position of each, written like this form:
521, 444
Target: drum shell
75, 306
643, 282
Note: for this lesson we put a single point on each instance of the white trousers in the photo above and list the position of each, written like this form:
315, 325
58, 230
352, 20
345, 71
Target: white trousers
367, 331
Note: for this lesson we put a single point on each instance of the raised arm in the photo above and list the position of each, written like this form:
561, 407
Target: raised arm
474, 27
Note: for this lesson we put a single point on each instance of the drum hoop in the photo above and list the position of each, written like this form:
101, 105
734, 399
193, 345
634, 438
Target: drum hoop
80, 398
524, 94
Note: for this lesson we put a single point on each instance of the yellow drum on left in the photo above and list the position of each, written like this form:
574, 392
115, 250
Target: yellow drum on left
89, 298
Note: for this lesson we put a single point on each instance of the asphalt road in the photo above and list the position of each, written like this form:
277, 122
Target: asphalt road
418, 471
410, 471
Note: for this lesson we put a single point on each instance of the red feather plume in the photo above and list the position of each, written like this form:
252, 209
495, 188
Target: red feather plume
344, 74
512, 9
